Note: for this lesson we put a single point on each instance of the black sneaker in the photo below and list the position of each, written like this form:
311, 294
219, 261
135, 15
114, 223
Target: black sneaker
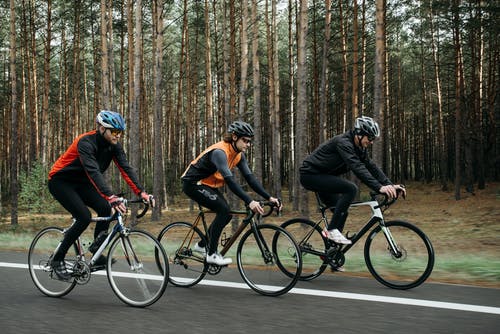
98, 241
59, 268
101, 262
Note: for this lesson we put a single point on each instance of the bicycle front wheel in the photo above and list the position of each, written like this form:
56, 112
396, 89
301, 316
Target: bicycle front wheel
312, 246
39, 257
187, 268
406, 268
137, 268
260, 255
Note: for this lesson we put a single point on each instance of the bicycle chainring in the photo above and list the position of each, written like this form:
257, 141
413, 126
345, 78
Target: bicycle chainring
81, 272
334, 257
213, 269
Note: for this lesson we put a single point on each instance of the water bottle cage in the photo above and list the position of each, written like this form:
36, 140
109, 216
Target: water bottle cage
224, 239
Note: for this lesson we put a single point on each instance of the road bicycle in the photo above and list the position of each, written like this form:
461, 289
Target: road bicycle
398, 254
259, 250
137, 265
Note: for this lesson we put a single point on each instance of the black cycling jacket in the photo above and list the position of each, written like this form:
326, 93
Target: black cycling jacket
339, 155
88, 157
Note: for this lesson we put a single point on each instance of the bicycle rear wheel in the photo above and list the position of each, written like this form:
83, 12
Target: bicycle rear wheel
258, 256
137, 268
410, 266
39, 256
312, 245
187, 268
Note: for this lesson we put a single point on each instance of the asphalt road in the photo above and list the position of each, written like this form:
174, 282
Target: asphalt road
330, 304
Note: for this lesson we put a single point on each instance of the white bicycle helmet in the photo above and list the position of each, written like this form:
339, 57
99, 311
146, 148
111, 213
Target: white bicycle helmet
111, 120
366, 126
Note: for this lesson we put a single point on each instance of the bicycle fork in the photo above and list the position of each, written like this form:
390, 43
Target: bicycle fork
264, 249
393, 248
378, 217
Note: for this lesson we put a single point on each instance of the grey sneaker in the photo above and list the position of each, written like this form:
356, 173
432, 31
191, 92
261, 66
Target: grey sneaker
59, 268
217, 259
197, 248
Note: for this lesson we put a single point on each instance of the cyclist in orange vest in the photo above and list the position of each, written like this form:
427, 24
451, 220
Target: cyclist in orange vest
210, 171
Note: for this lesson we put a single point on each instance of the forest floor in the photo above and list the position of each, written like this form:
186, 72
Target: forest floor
465, 233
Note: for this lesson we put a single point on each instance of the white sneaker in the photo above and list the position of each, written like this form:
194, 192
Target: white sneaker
197, 248
340, 269
217, 259
336, 236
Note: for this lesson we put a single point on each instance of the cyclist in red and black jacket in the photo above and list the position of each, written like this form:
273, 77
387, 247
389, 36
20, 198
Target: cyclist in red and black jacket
76, 180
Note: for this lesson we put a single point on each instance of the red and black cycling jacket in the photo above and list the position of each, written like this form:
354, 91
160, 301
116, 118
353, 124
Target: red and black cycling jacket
88, 157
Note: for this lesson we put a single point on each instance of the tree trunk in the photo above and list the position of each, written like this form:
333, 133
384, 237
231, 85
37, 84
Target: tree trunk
362, 106
355, 65
134, 124
323, 98
275, 115
14, 190
347, 117
232, 61
105, 74
76, 71
244, 60
293, 184
443, 162
380, 65
458, 99
257, 113
158, 110
302, 104
480, 102
185, 153
209, 108
46, 87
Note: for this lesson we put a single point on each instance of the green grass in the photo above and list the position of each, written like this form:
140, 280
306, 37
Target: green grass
472, 269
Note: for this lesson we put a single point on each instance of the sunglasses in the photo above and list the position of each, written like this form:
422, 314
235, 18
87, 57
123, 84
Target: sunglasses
116, 132
246, 140
371, 138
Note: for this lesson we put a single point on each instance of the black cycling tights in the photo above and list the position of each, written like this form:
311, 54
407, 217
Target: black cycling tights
75, 197
333, 191
212, 199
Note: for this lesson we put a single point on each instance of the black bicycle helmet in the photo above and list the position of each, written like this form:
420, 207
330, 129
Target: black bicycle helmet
111, 120
241, 129
366, 126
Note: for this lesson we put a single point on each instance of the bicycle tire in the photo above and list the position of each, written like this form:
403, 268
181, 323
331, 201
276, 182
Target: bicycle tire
403, 271
187, 268
39, 256
133, 270
312, 246
259, 267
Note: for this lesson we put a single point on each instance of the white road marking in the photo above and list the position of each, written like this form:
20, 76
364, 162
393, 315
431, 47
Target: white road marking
335, 294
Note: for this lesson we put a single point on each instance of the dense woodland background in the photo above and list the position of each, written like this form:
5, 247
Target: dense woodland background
300, 71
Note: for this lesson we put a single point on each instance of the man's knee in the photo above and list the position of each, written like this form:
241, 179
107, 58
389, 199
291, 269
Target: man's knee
352, 190
102, 208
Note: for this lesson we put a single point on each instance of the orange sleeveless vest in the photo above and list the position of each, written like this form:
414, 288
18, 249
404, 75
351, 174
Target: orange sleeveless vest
216, 180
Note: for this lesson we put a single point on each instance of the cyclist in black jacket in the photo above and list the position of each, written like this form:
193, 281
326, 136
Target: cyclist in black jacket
320, 172
76, 180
